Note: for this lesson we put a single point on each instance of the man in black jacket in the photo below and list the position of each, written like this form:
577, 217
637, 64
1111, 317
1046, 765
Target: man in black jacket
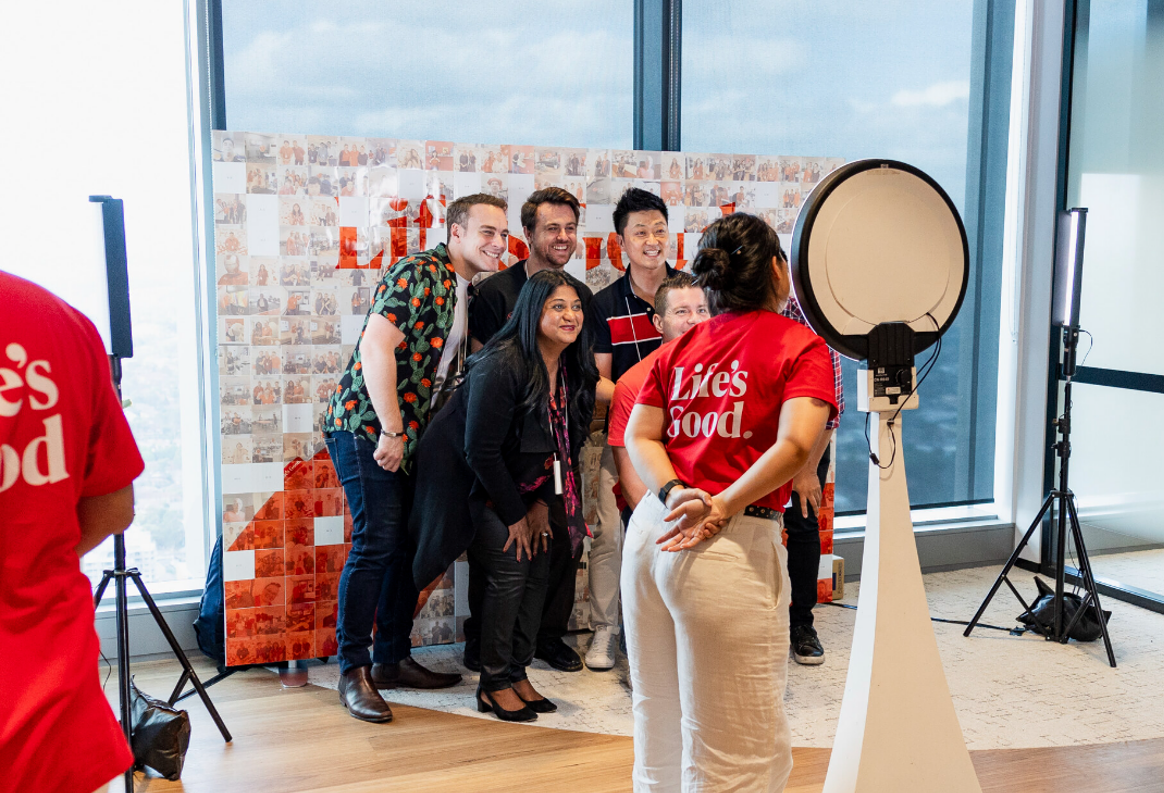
549, 219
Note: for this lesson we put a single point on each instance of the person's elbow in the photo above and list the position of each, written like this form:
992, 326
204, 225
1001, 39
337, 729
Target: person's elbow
123, 515
103, 516
800, 451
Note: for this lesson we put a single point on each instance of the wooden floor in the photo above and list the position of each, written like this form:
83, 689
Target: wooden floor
291, 740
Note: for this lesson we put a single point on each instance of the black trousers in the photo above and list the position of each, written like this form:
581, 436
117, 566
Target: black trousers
510, 606
559, 600
804, 553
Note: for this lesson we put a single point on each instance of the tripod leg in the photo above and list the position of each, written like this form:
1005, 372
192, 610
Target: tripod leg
1009, 565
178, 688
1089, 579
188, 670
216, 679
100, 591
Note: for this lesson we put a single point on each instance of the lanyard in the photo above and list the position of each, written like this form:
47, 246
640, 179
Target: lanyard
563, 406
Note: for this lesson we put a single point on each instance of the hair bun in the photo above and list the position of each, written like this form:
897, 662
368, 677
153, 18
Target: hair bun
711, 267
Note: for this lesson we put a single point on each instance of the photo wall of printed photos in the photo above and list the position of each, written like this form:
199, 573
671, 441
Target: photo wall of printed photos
303, 225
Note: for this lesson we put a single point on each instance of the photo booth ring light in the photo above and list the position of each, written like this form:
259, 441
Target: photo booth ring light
879, 243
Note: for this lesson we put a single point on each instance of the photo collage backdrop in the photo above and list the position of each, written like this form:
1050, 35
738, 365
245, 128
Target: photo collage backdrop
303, 225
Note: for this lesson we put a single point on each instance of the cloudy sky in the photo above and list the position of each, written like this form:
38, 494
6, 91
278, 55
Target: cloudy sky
811, 77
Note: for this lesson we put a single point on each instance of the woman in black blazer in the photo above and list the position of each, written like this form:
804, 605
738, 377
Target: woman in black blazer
492, 463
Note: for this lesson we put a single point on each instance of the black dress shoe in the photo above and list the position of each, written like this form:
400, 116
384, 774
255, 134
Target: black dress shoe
409, 674
485, 704
361, 698
559, 655
539, 705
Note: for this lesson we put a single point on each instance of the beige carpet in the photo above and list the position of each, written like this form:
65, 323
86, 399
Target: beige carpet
1010, 692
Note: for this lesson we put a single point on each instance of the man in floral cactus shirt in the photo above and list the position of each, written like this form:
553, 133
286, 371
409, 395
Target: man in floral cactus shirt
414, 329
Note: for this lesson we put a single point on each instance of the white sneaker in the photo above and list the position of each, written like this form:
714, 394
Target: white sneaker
600, 656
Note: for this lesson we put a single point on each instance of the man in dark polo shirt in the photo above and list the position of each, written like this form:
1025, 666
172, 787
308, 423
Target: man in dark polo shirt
622, 319
549, 219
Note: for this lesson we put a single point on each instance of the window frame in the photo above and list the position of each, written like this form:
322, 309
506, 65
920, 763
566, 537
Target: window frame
657, 98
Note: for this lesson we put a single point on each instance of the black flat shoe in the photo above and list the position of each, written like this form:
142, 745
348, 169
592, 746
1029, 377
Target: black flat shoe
487, 705
542, 705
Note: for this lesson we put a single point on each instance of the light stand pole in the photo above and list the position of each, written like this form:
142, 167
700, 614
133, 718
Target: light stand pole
1067, 294
121, 342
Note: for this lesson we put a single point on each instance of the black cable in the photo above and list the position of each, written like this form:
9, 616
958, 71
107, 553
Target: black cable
1017, 630
925, 370
108, 668
1091, 339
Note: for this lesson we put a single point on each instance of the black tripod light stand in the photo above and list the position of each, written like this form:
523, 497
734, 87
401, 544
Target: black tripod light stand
121, 341
1068, 282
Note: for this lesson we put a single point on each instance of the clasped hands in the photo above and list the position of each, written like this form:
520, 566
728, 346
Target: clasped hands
527, 531
698, 516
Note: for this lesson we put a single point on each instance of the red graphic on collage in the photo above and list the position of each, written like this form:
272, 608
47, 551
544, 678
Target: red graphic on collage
518, 248
614, 252
680, 257
347, 256
593, 251
288, 610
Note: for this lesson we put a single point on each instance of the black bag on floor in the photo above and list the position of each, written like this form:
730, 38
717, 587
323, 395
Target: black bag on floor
210, 627
1085, 630
161, 734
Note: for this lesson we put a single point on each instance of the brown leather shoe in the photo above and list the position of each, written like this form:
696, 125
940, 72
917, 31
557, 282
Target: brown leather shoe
409, 674
361, 698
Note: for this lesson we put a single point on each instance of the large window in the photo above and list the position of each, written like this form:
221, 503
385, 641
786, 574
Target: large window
111, 117
857, 80
519, 72
835, 79
1116, 170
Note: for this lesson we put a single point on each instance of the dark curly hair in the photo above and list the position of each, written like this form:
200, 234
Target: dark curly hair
733, 263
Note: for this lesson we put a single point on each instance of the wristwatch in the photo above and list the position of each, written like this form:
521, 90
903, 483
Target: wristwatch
388, 434
666, 489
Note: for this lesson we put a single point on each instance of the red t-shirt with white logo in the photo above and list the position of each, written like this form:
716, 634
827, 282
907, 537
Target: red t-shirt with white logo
721, 387
63, 437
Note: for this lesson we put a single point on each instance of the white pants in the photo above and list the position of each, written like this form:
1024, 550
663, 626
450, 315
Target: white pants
605, 548
707, 638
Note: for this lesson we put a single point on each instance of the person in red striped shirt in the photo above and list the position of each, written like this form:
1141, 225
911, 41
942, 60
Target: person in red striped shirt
623, 318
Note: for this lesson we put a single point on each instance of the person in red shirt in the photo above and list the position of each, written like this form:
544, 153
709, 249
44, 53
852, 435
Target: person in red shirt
67, 464
728, 414
680, 305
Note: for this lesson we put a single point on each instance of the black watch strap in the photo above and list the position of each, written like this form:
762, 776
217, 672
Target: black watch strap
666, 489
388, 434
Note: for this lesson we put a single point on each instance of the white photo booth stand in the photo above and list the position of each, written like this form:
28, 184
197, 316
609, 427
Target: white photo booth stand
880, 264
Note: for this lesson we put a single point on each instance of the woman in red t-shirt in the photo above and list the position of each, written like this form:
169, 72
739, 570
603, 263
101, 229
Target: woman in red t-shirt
729, 412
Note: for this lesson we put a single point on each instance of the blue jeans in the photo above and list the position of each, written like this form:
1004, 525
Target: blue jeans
376, 584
